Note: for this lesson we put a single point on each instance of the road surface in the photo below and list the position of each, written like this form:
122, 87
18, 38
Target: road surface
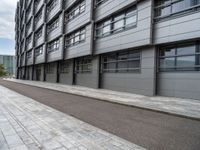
149, 129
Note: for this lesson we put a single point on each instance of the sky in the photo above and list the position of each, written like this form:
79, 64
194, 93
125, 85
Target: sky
7, 26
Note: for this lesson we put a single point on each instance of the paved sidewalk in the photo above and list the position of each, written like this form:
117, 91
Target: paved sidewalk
28, 125
183, 107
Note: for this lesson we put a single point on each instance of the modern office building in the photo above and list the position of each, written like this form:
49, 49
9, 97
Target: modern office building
9, 63
149, 47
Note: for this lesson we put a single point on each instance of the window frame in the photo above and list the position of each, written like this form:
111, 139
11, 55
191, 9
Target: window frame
72, 37
116, 61
100, 26
177, 68
81, 63
195, 5
73, 10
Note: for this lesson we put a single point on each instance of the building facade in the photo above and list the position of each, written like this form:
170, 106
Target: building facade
149, 47
9, 63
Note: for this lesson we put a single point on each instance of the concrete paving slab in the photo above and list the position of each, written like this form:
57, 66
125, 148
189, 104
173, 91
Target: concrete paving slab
36, 132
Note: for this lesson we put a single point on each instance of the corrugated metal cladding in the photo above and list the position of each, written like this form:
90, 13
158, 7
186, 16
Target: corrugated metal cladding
143, 47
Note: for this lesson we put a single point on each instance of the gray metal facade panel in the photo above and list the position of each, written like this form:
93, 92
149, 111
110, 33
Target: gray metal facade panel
69, 3
40, 40
41, 58
179, 84
135, 37
41, 3
42, 72
89, 79
57, 32
54, 11
181, 28
80, 20
67, 78
52, 77
139, 83
81, 49
111, 6
56, 55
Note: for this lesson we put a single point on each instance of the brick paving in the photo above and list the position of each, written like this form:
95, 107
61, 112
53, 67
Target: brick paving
29, 125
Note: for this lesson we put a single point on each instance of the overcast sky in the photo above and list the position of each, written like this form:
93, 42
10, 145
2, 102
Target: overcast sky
7, 26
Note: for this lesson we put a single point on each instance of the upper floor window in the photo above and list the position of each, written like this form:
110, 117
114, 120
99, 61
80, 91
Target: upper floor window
37, 3
124, 20
84, 65
53, 26
29, 54
39, 51
164, 8
76, 11
28, 26
99, 2
121, 62
64, 67
75, 38
180, 58
38, 34
52, 5
28, 40
38, 17
53, 46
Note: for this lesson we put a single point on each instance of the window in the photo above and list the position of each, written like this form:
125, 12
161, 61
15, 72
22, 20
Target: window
52, 5
75, 38
39, 51
37, 3
179, 58
53, 46
38, 17
121, 62
53, 26
38, 34
120, 22
50, 68
84, 65
29, 54
76, 11
28, 26
64, 67
165, 8
28, 40
99, 2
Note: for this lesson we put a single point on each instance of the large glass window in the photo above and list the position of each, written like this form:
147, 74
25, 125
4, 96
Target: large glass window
120, 22
75, 11
180, 58
53, 26
84, 65
53, 46
38, 34
123, 62
29, 54
164, 8
52, 5
75, 38
39, 51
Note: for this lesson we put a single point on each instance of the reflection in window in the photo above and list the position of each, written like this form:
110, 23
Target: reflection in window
120, 22
121, 62
165, 8
180, 58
